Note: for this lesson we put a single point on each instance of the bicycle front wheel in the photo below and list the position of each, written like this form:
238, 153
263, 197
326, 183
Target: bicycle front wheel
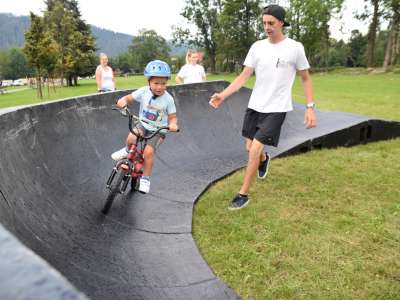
114, 191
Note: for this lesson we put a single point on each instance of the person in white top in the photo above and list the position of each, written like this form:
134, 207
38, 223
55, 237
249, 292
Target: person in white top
275, 61
104, 75
191, 72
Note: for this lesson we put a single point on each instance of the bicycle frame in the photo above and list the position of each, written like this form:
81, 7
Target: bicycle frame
129, 169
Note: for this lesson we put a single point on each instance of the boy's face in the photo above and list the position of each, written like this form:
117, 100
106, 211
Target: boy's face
158, 85
272, 26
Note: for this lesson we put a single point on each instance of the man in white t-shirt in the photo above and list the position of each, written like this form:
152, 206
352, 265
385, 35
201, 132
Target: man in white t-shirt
275, 62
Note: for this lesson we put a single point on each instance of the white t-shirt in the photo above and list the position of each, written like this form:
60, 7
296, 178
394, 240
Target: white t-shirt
192, 73
275, 67
107, 82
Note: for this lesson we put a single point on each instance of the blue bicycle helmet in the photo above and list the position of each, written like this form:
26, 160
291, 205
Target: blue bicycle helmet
157, 68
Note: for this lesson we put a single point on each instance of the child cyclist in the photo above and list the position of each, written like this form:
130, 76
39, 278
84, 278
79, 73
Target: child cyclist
157, 109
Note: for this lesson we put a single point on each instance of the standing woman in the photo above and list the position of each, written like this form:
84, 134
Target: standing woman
191, 72
104, 75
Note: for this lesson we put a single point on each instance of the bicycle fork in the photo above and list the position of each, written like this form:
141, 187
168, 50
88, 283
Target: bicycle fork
125, 168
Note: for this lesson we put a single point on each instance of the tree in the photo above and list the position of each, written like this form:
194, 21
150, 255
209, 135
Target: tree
240, 27
393, 42
74, 38
310, 25
357, 45
339, 53
40, 49
122, 62
373, 27
147, 46
204, 14
14, 64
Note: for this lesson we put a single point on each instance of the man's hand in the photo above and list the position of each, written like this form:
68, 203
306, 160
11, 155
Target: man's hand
216, 100
310, 119
173, 127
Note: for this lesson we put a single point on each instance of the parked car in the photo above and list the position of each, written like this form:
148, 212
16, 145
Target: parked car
19, 82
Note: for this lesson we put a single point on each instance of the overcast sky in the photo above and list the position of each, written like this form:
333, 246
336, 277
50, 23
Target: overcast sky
132, 15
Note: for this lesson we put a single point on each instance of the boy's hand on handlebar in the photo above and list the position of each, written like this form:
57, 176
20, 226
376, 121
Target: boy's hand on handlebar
173, 127
121, 103
216, 100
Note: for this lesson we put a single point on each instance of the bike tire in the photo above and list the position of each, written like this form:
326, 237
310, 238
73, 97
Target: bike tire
134, 183
114, 191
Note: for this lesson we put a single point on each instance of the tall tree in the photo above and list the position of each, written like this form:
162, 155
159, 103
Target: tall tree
204, 15
73, 36
147, 46
240, 26
374, 16
393, 42
310, 25
357, 45
40, 49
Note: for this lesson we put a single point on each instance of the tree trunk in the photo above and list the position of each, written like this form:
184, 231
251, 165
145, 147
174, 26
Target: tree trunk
392, 47
75, 81
373, 27
388, 52
39, 87
212, 62
395, 47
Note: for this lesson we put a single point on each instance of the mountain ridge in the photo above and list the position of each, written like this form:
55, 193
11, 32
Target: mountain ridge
110, 42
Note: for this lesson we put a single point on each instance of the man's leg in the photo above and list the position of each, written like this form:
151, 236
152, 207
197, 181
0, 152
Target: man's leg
256, 154
248, 146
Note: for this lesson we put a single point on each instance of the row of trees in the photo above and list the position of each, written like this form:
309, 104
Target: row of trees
14, 64
60, 43
227, 28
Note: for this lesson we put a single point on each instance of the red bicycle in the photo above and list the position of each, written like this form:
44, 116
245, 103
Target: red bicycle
129, 169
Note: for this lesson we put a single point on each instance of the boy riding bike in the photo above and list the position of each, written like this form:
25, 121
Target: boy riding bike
157, 109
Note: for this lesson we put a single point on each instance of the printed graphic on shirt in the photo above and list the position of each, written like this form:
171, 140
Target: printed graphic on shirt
281, 63
153, 113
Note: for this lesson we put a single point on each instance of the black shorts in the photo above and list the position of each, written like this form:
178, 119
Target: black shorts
264, 127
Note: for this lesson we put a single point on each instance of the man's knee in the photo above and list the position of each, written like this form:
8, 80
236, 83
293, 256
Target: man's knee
255, 148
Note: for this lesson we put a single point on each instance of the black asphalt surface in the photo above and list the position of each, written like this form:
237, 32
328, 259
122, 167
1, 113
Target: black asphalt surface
55, 159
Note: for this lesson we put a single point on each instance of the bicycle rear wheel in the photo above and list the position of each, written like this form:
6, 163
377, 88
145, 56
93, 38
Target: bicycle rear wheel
114, 191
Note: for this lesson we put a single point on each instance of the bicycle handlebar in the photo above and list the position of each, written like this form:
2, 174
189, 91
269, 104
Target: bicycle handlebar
127, 113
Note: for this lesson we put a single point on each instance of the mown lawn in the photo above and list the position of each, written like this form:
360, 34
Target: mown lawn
323, 225
85, 87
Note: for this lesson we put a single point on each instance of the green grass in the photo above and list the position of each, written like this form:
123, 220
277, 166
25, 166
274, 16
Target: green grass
323, 225
85, 87
374, 95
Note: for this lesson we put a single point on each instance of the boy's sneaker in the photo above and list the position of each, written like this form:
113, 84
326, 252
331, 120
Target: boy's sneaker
238, 202
144, 185
120, 154
263, 167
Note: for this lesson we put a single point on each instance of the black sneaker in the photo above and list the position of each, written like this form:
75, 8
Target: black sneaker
263, 167
238, 202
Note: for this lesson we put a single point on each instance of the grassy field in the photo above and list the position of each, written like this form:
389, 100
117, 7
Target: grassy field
323, 225
351, 90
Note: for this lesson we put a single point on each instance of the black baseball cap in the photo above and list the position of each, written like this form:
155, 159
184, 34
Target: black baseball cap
276, 11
